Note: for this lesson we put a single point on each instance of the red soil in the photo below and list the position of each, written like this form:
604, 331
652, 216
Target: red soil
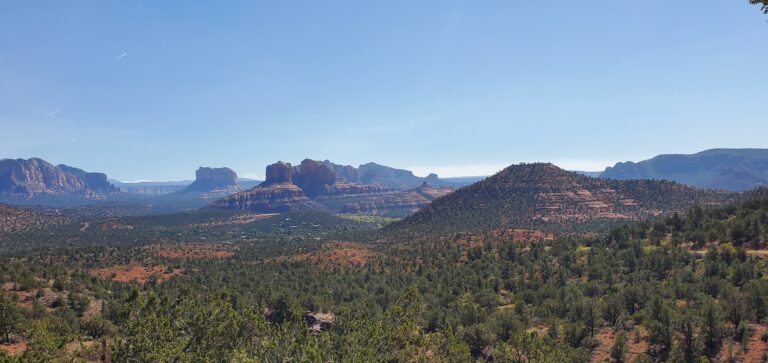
756, 347
14, 349
136, 273
605, 339
344, 254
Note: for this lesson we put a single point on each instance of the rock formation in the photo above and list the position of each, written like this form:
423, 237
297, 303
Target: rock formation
275, 198
335, 188
395, 203
214, 180
21, 178
344, 173
312, 176
277, 173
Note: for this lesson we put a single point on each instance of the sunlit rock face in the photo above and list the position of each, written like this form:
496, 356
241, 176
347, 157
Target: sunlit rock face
213, 180
37, 177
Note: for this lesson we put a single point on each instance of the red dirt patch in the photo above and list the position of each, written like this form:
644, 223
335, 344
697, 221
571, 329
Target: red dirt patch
136, 273
344, 254
14, 349
193, 251
605, 339
756, 347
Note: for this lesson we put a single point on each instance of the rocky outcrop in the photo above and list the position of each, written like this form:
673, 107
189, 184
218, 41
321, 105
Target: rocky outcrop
318, 322
324, 185
431, 193
395, 203
214, 180
277, 173
36, 177
275, 198
312, 177
373, 173
344, 173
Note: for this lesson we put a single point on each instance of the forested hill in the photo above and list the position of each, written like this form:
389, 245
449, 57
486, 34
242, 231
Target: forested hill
742, 226
543, 196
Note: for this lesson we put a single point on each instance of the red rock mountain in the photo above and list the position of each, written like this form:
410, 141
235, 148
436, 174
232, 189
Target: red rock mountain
214, 180
35, 177
318, 185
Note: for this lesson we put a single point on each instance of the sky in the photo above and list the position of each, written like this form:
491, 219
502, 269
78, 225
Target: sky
151, 90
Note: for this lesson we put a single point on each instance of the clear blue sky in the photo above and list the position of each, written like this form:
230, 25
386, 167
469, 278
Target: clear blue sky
154, 89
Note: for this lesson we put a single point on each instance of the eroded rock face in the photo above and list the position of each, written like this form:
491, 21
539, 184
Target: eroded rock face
277, 173
344, 173
324, 185
432, 193
214, 179
312, 177
275, 198
395, 203
32, 177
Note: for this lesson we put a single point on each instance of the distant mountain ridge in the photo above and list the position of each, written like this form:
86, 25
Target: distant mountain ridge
316, 185
724, 169
543, 196
35, 177
401, 179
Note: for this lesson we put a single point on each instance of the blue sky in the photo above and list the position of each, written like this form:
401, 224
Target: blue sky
153, 89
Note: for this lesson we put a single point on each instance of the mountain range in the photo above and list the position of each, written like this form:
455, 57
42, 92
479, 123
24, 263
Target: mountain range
322, 185
370, 188
724, 169
36, 178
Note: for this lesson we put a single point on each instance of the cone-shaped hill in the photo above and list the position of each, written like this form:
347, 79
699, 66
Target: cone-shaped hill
543, 196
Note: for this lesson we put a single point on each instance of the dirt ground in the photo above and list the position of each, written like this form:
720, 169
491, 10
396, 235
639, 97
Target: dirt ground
136, 273
14, 349
343, 254
605, 339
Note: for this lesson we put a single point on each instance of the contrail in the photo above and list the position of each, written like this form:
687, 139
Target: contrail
120, 57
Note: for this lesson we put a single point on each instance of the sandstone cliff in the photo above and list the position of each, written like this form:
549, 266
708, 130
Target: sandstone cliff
21, 178
214, 180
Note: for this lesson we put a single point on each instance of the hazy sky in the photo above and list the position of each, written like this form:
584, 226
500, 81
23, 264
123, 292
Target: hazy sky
153, 89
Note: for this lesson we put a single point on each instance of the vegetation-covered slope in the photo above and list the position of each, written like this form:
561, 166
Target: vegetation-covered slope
542, 196
219, 286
